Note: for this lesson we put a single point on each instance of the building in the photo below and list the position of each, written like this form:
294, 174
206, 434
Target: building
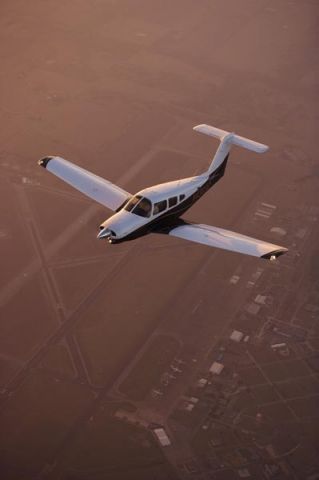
202, 382
216, 368
162, 437
236, 336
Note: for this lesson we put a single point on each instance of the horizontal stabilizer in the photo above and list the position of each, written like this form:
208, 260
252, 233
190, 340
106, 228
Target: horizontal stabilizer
232, 138
227, 139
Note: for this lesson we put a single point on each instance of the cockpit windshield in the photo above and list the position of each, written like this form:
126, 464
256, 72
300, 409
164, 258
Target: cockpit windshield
138, 205
131, 204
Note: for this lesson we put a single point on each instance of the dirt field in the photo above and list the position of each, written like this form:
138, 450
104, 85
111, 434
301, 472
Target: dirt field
149, 368
116, 87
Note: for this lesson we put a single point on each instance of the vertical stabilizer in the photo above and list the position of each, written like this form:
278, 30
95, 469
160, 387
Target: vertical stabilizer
227, 139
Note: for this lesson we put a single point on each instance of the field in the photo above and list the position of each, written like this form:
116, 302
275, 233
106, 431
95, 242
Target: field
147, 371
112, 330
116, 87
34, 323
289, 368
264, 394
58, 362
306, 408
299, 387
252, 376
52, 407
99, 449
12, 232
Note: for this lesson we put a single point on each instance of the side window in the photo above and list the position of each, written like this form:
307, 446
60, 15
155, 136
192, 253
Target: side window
159, 207
181, 197
172, 201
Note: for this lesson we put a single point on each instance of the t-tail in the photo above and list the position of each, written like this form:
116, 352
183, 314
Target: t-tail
227, 139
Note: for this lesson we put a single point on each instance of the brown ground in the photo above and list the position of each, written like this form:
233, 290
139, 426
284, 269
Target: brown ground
116, 87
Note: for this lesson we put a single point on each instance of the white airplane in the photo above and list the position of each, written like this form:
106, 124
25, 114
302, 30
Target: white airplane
158, 209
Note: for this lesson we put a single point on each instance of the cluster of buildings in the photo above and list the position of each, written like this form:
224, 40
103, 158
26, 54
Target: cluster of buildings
226, 407
235, 413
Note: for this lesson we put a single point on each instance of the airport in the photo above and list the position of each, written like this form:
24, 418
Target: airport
158, 358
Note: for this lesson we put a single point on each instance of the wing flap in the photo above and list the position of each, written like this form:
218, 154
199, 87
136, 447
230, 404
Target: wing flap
227, 240
100, 190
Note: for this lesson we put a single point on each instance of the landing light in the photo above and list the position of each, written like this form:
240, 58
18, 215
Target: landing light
104, 233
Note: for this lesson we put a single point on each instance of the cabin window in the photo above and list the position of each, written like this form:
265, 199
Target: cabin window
181, 197
172, 201
143, 208
160, 207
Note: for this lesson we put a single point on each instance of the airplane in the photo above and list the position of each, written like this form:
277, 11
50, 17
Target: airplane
158, 209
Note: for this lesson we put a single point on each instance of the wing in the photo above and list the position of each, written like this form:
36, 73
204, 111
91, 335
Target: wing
220, 238
86, 182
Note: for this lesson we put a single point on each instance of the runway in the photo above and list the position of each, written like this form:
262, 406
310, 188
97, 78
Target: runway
116, 87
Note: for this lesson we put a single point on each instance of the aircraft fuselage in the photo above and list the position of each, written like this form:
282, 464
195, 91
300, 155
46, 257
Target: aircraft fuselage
179, 196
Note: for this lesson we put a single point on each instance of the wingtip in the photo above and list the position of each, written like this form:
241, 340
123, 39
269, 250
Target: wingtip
274, 254
43, 162
198, 127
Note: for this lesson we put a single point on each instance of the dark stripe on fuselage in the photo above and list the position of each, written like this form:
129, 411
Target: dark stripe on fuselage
170, 219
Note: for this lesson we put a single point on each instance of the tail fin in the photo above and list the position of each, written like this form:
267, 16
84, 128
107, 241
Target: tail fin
227, 139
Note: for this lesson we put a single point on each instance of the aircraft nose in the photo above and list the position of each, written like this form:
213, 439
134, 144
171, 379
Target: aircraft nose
104, 233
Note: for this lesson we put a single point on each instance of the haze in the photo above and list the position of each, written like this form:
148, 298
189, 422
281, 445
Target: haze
158, 359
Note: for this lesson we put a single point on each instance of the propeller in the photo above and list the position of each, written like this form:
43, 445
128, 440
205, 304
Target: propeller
104, 233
